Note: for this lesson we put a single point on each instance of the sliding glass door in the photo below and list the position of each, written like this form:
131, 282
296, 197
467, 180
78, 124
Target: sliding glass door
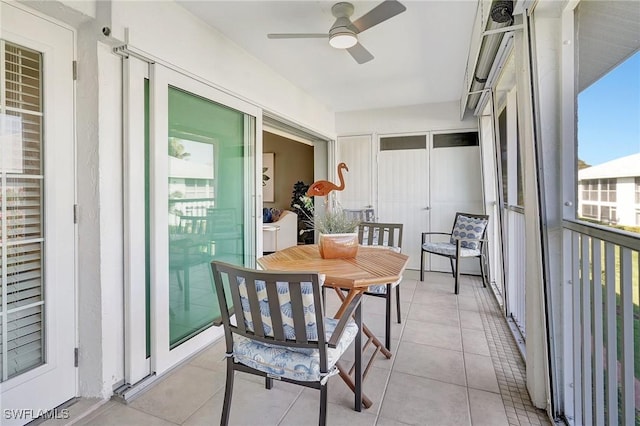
202, 206
206, 205
197, 173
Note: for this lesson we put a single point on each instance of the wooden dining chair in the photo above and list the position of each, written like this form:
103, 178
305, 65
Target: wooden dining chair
280, 330
387, 236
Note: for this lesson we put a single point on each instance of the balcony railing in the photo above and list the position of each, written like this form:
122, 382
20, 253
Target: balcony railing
516, 269
191, 206
602, 308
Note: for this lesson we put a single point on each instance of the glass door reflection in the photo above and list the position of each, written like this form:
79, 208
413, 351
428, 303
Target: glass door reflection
206, 182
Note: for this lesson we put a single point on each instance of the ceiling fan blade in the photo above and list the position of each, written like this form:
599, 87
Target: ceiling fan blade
385, 10
360, 54
310, 35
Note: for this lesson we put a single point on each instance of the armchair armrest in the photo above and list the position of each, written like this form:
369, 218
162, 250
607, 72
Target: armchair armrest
481, 241
344, 319
424, 235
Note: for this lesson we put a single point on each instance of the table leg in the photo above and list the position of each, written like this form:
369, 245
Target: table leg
371, 338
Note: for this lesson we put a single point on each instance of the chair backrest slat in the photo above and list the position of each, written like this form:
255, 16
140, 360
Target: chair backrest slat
276, 312
297, 310
254, 305
282, 308
380, 234
237, 303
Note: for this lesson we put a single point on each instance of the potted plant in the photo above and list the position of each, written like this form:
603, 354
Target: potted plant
338, 232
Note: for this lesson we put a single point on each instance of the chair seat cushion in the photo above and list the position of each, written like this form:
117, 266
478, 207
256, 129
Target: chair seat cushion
448, 249
381, 288
293, 363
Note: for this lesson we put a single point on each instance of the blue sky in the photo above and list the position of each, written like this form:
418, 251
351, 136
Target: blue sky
609, 115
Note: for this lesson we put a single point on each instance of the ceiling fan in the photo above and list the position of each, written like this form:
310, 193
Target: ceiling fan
343, 34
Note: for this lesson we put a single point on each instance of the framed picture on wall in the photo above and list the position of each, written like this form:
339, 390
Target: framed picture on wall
268, 177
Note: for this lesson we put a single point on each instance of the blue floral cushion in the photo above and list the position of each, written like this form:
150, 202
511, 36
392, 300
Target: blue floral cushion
448, 249
468, 230
292, 363
284, 298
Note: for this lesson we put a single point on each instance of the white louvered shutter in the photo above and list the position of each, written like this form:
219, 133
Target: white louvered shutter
21, 216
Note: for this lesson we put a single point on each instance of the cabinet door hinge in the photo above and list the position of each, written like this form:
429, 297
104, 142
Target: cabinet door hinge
75, 357
75, 213
75, 69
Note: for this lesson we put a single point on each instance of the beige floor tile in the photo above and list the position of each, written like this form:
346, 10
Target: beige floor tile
430, 362
212, 358
251, 404
306, 410
480, 373
468, 303
435, 315
383, 421
122, 415
487, 409
442, 336
475, 342
376, 323
411, 274
381, 361
440, 286
373, 386
431, 298
180, 394
417, 400
471, 320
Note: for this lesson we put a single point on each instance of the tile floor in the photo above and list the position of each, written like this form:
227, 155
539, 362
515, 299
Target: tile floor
454, 363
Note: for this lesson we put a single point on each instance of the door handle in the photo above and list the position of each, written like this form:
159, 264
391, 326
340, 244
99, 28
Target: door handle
427, 208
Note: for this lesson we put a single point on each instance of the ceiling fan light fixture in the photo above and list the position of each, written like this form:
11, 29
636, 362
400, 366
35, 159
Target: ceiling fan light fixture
343, 40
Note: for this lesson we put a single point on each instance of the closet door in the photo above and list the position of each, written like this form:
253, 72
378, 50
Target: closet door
403, 189
357, 153
456, 186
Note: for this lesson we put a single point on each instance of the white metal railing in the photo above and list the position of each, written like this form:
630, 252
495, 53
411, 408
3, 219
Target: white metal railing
191, 206
601, 304
515, 264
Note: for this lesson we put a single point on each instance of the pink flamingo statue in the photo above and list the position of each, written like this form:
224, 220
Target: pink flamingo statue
322, 188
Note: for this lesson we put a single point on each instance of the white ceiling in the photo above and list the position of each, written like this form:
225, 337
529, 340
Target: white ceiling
420, 54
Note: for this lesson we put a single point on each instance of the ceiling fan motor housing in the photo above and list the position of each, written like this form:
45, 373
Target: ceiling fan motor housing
341, 36
342, 10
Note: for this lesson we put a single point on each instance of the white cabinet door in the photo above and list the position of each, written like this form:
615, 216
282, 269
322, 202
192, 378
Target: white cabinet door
403, 195
456, 186
37, 234
357, 153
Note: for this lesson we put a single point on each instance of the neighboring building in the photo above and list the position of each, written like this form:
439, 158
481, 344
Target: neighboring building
610, 192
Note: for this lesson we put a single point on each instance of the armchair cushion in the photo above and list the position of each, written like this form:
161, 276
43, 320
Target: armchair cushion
293, 363
468, 230
449, 249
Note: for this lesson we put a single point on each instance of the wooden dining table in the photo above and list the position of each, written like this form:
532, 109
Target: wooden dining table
372, 265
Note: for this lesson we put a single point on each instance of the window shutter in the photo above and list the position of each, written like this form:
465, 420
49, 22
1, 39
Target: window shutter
21, 204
